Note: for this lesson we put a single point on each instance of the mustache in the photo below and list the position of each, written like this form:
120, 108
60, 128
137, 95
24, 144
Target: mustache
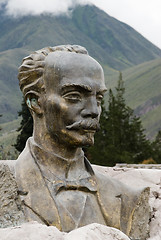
85, 124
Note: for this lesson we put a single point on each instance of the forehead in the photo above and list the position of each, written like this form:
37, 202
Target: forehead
68, 67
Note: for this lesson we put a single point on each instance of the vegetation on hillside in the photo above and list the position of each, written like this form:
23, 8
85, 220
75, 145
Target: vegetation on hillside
26, 127
0, 126
143, 93
7, 150
8, 136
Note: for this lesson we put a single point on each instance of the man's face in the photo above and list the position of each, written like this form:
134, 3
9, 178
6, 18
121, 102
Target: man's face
72, 103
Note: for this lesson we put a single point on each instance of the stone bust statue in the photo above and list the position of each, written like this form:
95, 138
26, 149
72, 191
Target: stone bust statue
63, 87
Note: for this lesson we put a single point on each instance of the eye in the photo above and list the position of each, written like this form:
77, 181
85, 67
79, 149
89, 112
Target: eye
72, 96
99, 99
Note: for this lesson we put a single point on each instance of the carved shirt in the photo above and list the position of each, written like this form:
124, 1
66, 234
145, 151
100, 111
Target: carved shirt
76, 199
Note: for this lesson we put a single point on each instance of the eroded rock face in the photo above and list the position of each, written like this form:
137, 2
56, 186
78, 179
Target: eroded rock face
10, 205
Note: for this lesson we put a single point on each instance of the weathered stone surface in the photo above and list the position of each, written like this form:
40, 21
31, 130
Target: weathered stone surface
36, 231
31, 231
147, 166
10, 205
142, 178
96, 232
12, 215
139, 228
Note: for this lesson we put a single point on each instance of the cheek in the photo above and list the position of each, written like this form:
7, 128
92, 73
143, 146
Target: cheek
59, 113
56, 105
60, 105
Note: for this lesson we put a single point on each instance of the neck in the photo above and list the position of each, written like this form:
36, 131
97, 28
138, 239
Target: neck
62, 167
54, 148
62, 159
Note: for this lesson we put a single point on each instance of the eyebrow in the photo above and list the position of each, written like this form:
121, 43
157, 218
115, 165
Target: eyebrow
85, 87
68, 85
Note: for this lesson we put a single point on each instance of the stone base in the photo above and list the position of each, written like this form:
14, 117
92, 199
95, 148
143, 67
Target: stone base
11, 213
36, 231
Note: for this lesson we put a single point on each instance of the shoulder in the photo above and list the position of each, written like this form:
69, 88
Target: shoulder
25, 163
131, 203
110, 185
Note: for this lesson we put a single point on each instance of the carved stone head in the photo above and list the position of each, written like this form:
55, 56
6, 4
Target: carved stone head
63, 86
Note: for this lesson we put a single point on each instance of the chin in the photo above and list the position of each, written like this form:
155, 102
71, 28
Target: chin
85, 140
88, 140
74, 138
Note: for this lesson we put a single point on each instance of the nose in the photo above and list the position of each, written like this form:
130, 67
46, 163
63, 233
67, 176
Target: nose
91, 109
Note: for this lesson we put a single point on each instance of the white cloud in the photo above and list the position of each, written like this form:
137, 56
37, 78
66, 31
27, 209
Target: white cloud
2, 1
36, 7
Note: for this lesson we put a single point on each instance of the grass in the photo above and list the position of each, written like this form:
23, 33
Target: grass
143, 82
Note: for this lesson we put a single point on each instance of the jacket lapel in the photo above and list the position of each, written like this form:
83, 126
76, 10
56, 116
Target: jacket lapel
35, 193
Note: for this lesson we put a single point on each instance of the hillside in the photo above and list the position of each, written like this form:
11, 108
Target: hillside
10, 95
143, 92
114, 44
107, 39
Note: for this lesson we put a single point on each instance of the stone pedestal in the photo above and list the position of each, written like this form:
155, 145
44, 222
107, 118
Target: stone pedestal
11, 212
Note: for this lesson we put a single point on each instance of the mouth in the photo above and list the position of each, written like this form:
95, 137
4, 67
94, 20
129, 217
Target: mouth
85, 125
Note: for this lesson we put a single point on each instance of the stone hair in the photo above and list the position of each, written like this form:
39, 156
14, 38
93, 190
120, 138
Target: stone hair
32, 68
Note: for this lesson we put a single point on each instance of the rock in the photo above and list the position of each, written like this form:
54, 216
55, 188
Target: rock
31, 231
96, 232
10, 205
142, 178
11, 213
37, 231
147, 166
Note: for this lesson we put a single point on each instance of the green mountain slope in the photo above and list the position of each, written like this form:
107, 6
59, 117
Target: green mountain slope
10, 95
118, 40
109, 40
144, 83
114, 44
143, 93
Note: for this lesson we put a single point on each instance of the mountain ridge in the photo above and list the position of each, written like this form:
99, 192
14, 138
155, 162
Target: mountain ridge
116, 45
112, 38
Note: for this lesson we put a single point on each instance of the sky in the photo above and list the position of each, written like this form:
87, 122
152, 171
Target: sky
143, 15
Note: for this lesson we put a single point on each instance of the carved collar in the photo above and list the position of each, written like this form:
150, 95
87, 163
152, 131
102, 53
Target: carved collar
64, 175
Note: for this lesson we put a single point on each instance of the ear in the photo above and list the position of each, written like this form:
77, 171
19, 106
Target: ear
32, 101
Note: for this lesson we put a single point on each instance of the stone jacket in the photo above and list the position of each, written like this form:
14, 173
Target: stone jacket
119, 205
